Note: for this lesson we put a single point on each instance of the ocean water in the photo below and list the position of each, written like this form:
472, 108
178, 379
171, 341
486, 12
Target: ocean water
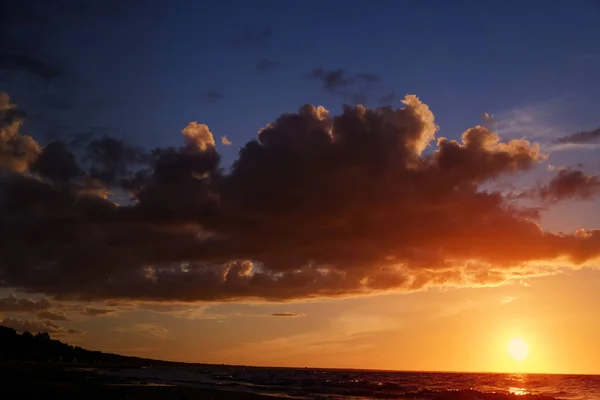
354, 384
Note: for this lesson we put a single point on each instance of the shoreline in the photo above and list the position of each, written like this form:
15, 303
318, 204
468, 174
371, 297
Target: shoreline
43, 381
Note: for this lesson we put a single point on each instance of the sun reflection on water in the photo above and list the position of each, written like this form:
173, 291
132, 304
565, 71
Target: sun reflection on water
519, 380
517, 391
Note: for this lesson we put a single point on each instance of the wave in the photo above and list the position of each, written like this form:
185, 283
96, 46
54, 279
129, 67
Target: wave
343, 385
471, 394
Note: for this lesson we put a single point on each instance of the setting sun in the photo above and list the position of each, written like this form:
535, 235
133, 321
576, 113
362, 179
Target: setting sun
518, 349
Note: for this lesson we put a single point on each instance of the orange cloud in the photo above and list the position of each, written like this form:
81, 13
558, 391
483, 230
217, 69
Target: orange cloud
315, 205
225, 141
566, 184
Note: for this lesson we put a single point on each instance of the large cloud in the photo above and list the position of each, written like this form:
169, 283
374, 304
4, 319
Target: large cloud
316, 205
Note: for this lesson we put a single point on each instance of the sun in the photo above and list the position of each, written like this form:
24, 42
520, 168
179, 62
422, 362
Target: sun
517, 349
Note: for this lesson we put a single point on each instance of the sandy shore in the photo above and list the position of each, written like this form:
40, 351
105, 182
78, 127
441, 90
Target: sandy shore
43, 381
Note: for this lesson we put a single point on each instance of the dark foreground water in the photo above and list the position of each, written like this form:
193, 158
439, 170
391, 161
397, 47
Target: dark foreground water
343, 384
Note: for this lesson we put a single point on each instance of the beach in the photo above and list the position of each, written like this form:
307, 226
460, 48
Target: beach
48, 381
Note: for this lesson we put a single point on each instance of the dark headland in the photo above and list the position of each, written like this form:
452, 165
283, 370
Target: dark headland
39, 367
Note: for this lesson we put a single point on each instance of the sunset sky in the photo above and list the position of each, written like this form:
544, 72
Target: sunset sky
395, 185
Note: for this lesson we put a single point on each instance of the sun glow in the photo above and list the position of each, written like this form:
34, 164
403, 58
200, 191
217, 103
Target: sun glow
517, 349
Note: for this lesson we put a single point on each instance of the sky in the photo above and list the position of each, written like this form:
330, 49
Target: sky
395, 185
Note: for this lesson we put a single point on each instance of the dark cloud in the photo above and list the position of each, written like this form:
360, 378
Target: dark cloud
38, 55
94, 312
358, 98
580, 137
31, 32
353, 87
288, 314
338, 79
54, 103
266, 65
568, 184
73, 331
254, 37
33, 326
57, 163
212, 95
12, 303
25, 30
30, 64
53, 315
315, 205
114, 161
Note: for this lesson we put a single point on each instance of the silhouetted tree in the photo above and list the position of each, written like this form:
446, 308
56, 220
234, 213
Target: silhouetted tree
42, 348
42, 336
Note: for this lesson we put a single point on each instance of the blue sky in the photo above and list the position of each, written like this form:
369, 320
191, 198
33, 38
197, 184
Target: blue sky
145, 73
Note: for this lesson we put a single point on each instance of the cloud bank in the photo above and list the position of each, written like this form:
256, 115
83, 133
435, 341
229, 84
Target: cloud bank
316, 205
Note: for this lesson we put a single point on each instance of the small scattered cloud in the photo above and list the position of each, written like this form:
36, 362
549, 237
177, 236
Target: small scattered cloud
387, 98
569, 184
334, 80
580, 138
212, 96
197, 137
266, 65
150, 329
72, 331
358, 97
94, 312
352, 86
54, 315
182, 310
508, 299
225, 141
288, 315
30, 64
253, 37
587, 57
53, 102
30, 29
488, 121
542, 121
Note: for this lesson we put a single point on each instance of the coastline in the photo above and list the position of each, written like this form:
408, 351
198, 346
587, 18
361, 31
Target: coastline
43, 381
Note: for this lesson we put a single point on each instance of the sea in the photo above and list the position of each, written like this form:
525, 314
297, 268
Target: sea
332, 384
